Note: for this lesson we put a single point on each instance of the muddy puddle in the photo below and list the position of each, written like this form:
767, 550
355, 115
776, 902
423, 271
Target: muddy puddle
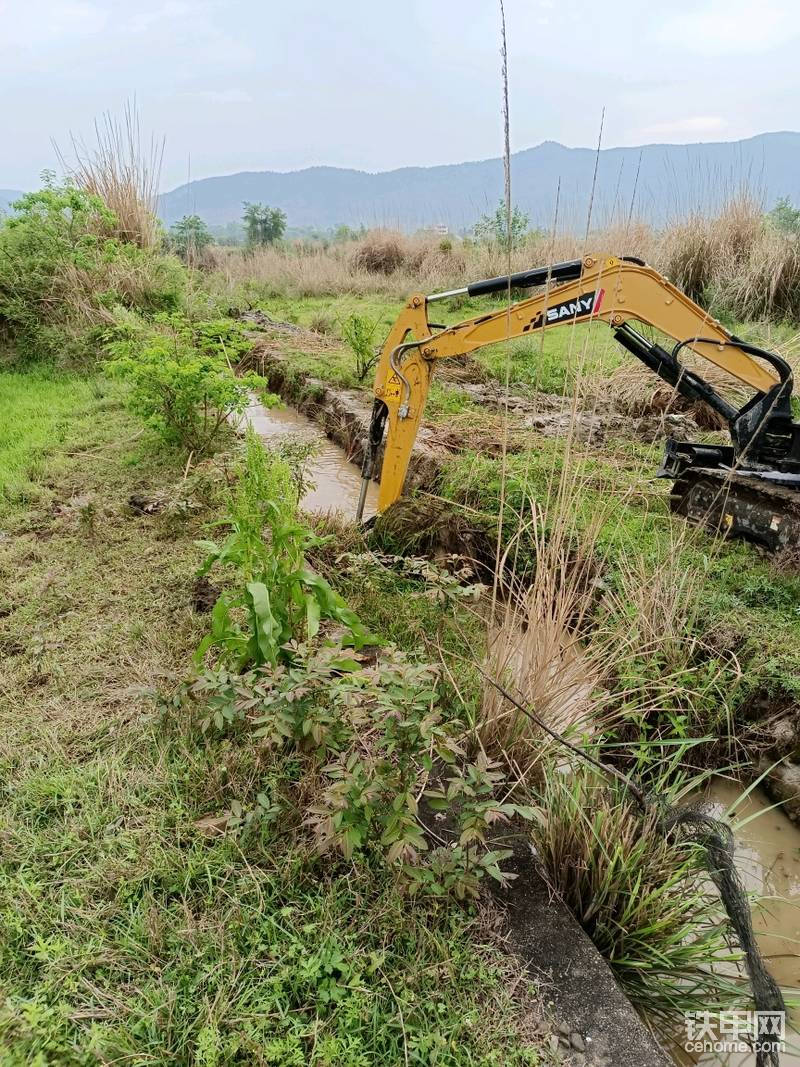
336, 481
768, 860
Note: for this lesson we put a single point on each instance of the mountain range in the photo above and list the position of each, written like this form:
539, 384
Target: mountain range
550, 183
653, 182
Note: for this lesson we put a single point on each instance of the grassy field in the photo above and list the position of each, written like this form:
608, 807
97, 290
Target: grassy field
210, 832
39, 411
128, 933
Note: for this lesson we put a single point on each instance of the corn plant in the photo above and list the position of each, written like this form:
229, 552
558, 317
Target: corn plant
276, 598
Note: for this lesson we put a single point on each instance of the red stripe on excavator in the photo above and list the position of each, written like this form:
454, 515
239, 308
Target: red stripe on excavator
598, 300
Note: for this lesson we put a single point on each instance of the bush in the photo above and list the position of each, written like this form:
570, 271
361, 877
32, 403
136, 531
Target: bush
381, 252
62, 274
500, 228
189, 238
785, 216
359, 334
182, 378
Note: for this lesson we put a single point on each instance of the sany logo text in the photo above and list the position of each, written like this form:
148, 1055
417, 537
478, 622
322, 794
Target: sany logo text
587, 304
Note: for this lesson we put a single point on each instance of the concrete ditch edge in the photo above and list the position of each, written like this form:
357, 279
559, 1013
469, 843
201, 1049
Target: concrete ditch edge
599, 1026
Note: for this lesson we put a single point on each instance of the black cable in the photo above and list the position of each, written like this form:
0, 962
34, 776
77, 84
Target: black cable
717, 841
772, 358
604, 767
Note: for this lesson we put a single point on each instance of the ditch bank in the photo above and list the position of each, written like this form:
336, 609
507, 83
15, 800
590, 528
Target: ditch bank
344, 415
598, 1025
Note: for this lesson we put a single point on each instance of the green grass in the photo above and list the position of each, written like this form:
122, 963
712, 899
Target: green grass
747, 604
39, 409
548, 362
130, 936
552, 361
126, 933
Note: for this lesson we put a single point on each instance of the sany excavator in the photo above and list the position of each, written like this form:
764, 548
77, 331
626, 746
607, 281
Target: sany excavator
749, 489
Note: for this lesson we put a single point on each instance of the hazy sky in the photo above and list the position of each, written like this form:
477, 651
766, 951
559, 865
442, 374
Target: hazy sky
261, 84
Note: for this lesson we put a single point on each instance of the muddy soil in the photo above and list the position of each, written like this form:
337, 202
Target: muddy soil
552, 415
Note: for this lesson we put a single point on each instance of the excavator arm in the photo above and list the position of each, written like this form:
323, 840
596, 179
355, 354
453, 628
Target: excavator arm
616, 291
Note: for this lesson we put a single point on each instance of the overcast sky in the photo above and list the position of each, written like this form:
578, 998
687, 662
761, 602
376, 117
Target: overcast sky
375, 84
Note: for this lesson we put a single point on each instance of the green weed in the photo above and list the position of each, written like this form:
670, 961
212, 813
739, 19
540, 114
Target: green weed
276, 598
182, 379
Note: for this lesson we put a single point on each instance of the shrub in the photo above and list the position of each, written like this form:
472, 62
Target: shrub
500, 228
62, 274
381, 252
785, 216
364, 740
189, 238
359, 334
183, 382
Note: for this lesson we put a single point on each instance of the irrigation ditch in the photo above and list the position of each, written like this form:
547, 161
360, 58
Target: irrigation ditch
598, 1024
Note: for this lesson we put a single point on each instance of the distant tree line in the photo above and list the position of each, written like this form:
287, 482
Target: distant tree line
263, 225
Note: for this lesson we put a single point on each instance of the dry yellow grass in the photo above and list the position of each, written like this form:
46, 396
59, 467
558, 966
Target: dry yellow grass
123, 173
736, 263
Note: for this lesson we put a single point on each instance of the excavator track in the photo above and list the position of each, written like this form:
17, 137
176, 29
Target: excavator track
739, 506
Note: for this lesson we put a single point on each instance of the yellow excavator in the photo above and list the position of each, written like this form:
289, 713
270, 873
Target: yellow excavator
748, 489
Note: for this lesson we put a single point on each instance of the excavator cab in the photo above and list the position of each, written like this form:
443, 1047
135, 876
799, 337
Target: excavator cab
749, 489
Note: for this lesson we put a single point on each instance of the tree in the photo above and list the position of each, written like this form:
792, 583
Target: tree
342, 234
264, 225
189, 237
784, 216
495, 228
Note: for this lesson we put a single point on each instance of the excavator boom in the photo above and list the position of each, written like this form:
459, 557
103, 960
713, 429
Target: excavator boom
618, 292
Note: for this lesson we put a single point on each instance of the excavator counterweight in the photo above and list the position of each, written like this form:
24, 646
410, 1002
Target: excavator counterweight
750, 489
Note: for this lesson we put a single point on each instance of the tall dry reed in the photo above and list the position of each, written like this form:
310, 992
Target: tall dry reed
737, 263
124, 172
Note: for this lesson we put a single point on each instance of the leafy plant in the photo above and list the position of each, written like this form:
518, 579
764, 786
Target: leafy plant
182, 377
276, 599
359, 334
368, 740
785, 216
63, 273
189, 237
499, 227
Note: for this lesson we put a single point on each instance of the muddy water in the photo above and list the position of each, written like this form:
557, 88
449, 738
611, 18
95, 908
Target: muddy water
768, 860
337, 481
